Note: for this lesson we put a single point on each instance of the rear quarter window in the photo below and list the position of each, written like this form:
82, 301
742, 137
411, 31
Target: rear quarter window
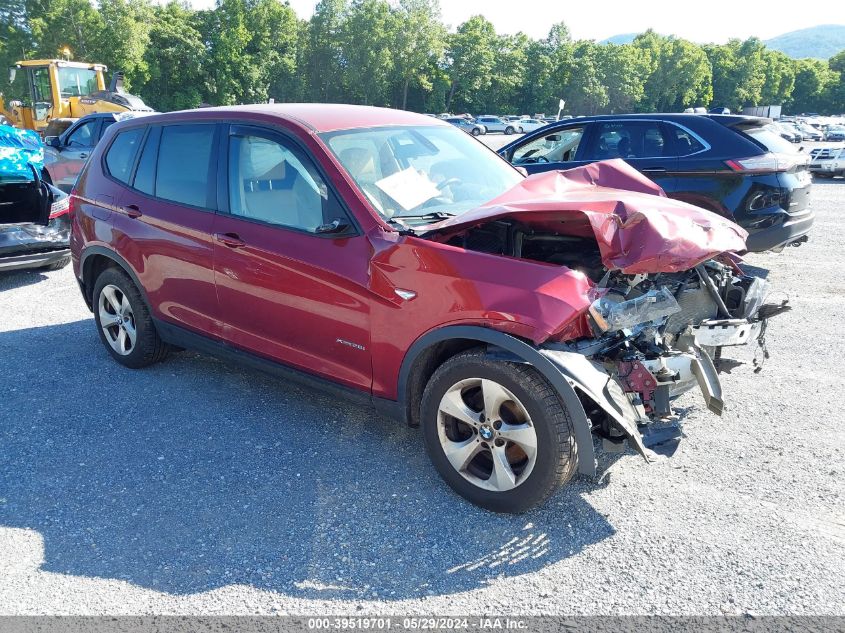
770, 140
120, 156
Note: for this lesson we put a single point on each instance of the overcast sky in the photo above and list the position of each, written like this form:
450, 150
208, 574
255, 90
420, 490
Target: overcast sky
696, 20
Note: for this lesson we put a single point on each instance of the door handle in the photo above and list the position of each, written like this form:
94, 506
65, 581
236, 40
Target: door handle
132, 210
83, 155
232, 240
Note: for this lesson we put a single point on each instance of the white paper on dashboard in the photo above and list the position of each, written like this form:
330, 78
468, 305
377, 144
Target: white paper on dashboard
409, 188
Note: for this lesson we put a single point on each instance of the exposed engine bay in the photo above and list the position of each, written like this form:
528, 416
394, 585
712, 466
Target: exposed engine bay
656, 335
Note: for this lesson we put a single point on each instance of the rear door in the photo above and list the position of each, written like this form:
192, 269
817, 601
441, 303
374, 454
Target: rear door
166, 218
643, 144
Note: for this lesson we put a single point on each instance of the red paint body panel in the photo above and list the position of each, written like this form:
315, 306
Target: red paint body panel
297, 298
459, 287
638, 230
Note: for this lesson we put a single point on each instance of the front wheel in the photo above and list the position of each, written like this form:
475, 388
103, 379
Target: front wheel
497, 432
476, 131
124, 323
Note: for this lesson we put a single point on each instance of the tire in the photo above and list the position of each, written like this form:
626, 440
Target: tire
476, 131
509, 130
114, 286
527, 402
58, 264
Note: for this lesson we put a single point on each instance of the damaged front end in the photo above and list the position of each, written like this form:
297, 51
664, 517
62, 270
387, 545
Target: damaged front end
667, 293
656, 337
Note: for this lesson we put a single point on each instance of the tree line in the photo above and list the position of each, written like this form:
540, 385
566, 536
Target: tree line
401, 55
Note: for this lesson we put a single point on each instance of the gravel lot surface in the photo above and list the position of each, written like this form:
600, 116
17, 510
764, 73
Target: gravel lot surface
196, 487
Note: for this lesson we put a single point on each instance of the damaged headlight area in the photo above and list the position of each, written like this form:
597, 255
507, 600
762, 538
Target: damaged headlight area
656, 337
649, 308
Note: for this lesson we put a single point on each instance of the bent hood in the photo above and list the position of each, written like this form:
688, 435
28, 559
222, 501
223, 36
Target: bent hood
638, 229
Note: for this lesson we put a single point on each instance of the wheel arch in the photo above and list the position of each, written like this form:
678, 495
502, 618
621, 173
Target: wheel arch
432, 349
93, 261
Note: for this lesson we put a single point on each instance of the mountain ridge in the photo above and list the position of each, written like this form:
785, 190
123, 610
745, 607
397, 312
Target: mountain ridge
821, 42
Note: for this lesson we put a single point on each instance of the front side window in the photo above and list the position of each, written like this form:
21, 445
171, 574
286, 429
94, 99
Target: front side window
414, 171
77, 82
557, 147
184, 163
271, 183
83, 136
121, 154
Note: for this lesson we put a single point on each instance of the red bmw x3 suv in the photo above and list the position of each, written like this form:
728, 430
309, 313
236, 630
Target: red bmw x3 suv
396, 260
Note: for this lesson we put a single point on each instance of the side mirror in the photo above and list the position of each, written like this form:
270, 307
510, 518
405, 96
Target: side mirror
53, 141
334, 227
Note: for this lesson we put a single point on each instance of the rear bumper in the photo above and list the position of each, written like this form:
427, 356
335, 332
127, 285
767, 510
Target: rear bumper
776, 237
35, 259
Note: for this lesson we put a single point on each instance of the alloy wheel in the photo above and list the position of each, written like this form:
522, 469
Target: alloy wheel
117, 319
486, 434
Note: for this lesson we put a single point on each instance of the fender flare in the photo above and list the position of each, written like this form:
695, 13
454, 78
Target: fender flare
96, 249
521, 352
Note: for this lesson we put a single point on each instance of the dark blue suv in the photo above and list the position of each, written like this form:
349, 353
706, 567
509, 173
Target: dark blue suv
733, 165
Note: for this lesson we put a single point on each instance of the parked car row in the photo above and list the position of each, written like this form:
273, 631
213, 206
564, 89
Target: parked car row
511, 318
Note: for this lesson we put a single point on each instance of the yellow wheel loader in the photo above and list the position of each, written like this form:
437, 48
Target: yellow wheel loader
61, 91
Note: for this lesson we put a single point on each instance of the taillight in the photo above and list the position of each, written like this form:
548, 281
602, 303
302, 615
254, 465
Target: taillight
59, 207
768, 163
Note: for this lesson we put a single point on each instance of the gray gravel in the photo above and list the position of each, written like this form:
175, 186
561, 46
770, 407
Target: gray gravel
196, 487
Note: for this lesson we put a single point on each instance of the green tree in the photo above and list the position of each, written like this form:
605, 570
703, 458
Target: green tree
472, 52
175, 59
419, 45
367, 36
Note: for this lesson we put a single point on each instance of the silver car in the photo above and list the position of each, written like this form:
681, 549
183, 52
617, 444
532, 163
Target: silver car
498, 124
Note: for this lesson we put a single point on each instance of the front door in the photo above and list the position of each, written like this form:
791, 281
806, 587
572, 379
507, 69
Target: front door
561, 148
289, 287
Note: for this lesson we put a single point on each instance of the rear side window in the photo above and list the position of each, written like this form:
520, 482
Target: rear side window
681, 142
121, 154
770, 140
184, 162
631, 139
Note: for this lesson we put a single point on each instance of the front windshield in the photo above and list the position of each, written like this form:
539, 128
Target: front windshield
421, 171
77, 82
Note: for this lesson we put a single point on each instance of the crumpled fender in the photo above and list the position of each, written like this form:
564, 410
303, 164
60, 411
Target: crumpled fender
638, 229
591, 379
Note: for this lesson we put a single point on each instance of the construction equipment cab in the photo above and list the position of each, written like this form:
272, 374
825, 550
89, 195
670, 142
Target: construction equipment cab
61, 91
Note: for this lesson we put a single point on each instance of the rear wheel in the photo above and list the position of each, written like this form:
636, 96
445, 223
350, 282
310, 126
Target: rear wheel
124, 322
509, 130
497, 432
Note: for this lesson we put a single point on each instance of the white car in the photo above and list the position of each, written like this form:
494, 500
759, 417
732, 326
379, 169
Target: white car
827, 162
498, 124
529, 125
